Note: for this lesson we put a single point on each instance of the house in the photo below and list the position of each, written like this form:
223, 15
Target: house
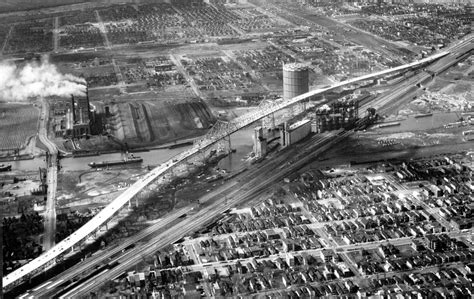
327, 255
387, 267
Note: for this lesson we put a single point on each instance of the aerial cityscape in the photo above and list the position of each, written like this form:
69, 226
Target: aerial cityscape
237, 148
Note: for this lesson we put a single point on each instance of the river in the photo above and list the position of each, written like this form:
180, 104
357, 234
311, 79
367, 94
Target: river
241, 141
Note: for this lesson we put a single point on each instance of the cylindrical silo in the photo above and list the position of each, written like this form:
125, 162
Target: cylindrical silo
295, 80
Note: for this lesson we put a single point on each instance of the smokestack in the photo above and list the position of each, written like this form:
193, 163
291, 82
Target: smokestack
73, 109
89, 116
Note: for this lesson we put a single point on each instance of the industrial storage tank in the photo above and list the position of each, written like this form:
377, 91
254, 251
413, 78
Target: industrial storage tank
295, 80
294, 133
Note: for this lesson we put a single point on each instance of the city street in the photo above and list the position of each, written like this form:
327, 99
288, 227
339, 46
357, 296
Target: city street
52, 177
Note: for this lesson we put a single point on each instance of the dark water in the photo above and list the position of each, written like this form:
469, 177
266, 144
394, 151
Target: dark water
152, 158
241, 141
28, 165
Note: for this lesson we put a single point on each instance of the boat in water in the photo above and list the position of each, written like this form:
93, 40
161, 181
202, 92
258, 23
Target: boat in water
127, 160
423, 115
5, 167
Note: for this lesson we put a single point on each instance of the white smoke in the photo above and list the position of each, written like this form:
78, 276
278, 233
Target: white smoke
37, 79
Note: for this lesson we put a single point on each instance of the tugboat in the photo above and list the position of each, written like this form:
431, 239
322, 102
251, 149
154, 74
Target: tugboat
5, 167
129, 159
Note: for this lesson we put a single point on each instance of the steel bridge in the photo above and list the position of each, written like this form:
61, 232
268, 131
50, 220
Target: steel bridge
217, 133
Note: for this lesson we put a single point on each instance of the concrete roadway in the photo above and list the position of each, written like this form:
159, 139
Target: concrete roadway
177, 62
5, 42
52, 180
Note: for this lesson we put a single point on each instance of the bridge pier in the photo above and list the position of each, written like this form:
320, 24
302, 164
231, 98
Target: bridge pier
268, 119
201, 155
229, 143
297, 109
294, 110
130, 202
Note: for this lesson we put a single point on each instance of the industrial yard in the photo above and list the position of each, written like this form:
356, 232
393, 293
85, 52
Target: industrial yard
157, 154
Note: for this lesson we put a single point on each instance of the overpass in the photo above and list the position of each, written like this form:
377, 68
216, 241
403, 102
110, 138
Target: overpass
216, 134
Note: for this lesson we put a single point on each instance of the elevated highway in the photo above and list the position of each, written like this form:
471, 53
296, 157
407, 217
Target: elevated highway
215, 135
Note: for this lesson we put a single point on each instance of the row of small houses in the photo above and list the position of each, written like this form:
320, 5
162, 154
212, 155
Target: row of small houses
447, 189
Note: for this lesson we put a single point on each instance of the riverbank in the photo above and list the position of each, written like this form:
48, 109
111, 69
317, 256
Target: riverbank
16, 158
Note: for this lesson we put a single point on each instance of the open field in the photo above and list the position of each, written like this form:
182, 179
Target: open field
18, 122
82, 187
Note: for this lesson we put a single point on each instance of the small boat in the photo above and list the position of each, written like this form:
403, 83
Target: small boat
5, 167
390, 124
423, 115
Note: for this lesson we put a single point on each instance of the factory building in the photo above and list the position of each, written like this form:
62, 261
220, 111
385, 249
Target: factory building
295, 80
77, 119
340, 114
295, 132
259, 143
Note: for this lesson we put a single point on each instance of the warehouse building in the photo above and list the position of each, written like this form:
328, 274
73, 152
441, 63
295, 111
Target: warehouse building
295, 132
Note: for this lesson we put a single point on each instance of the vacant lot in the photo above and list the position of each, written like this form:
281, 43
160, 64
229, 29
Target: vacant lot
18, 122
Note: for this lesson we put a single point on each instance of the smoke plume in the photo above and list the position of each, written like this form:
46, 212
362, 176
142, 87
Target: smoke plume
37, 79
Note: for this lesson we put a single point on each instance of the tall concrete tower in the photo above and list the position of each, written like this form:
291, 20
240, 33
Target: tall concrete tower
295, 80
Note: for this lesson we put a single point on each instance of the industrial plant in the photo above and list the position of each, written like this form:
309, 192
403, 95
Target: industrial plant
76, 117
